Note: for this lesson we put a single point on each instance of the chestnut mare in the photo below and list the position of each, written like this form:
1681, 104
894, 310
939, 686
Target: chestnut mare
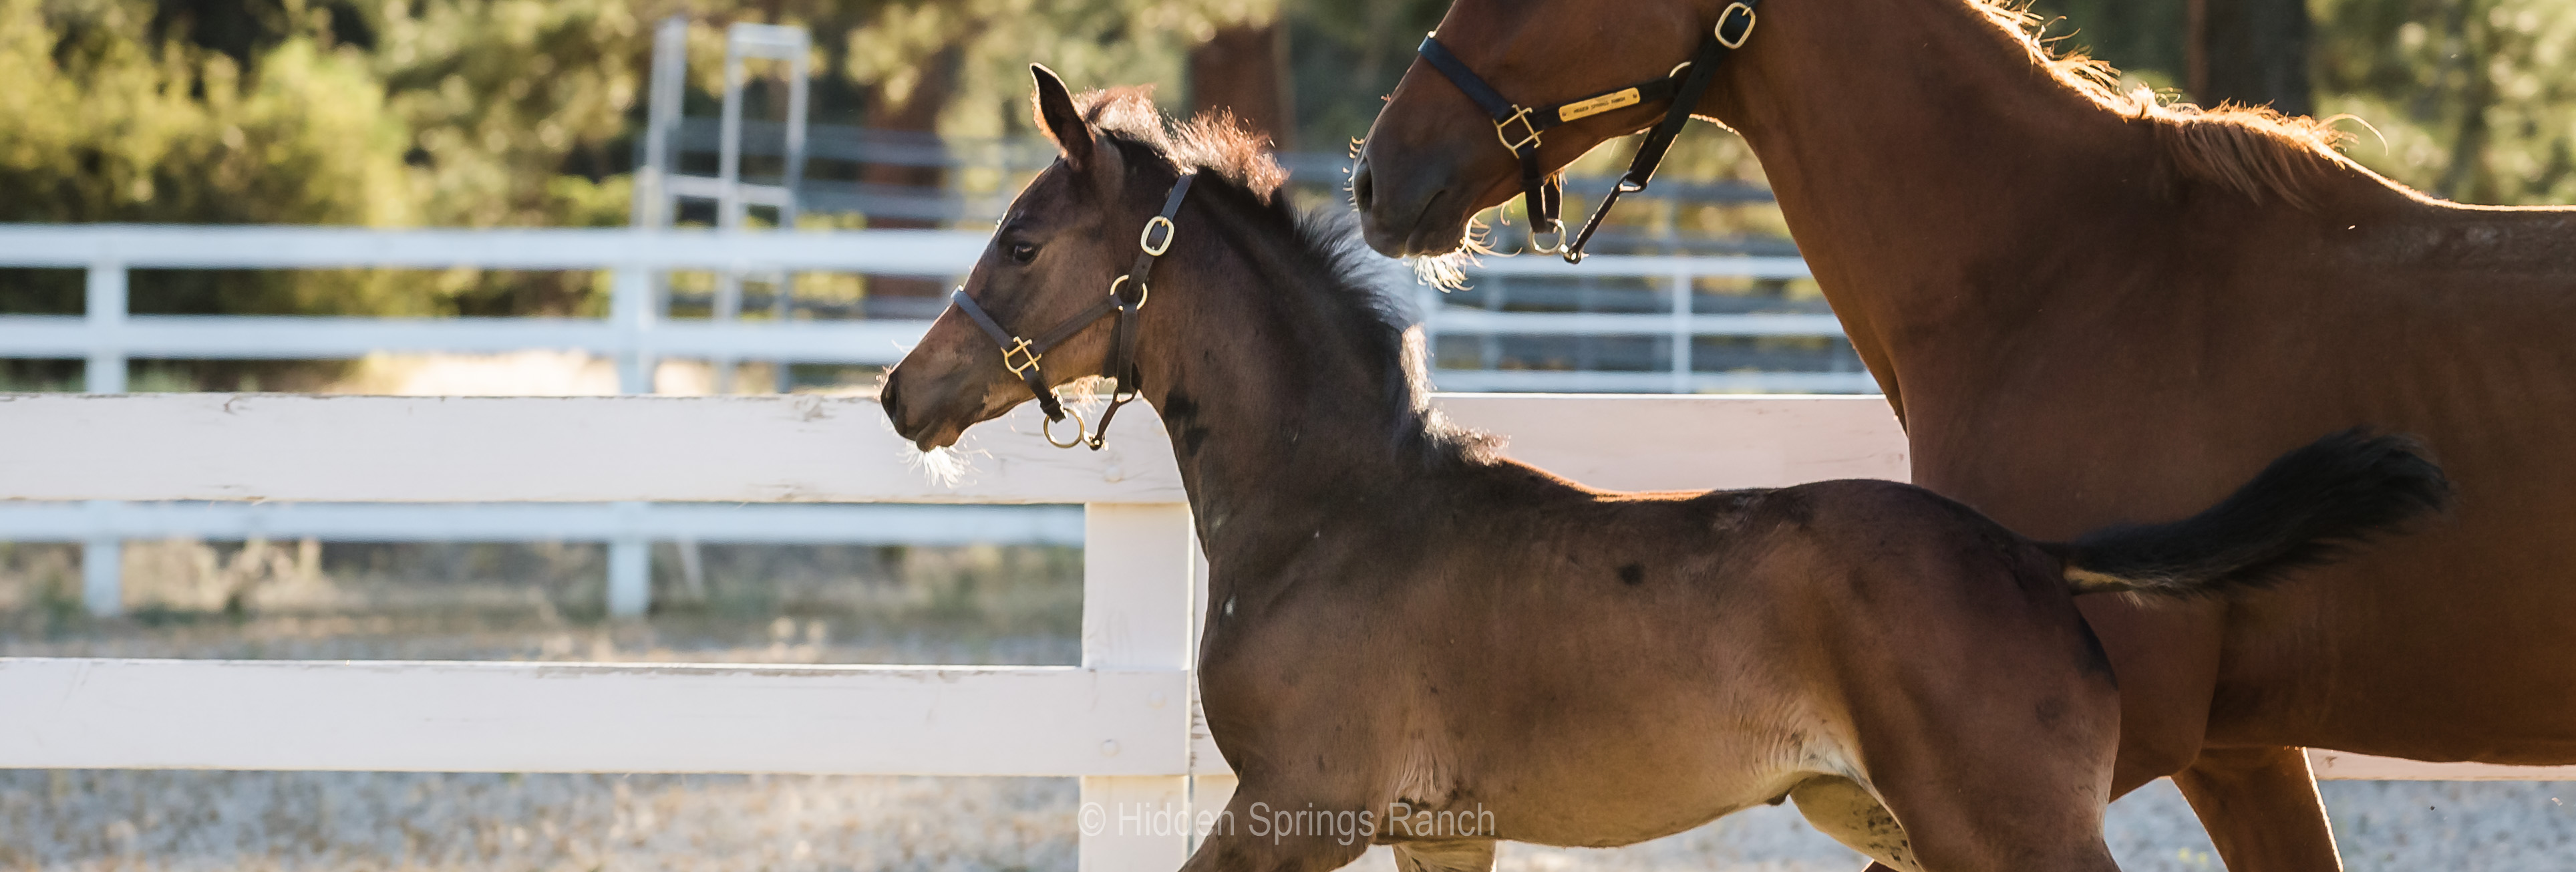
2086, 307
1413, 641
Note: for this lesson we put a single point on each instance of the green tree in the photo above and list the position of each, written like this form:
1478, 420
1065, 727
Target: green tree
106, 125
2474, 99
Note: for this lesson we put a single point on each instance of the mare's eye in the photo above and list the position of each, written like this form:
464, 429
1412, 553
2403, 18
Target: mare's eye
1022, 252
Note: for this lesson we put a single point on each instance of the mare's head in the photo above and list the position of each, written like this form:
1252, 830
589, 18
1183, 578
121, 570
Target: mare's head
1433, 159
1068, 237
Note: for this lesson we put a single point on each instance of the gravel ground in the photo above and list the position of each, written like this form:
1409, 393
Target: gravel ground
822, 605
90, 821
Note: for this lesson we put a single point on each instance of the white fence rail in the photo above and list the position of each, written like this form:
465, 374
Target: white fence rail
638, 334
635, 333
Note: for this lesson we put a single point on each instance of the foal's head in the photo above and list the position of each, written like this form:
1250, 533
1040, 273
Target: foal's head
1071, 235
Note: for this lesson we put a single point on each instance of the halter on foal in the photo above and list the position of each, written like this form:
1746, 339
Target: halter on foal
1412, 641
1023, 356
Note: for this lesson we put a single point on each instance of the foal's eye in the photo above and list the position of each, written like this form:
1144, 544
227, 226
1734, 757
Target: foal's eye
1022, 252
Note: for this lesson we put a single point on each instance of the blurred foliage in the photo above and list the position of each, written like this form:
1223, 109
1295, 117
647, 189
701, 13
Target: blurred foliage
1092, 43
106, 123
523, 112
2472, 100
2476, 99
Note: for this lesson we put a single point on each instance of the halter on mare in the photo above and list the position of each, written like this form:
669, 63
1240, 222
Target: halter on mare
1542, 195
1022, 355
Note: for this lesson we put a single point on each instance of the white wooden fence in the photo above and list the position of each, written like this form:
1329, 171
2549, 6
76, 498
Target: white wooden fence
1123, 721
637, 334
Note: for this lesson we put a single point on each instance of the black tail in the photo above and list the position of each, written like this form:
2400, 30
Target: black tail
2304, 509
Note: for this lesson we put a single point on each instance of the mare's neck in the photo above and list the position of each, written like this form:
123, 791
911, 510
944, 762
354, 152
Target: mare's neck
1280, 416
1927, 168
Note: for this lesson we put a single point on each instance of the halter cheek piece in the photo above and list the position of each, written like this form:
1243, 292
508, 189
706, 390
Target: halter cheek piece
1023, 355
1519, 127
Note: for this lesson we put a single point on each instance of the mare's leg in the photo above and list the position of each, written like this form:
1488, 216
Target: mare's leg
2261, 808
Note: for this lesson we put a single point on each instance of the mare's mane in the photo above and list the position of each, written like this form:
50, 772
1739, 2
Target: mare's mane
1330, 264
2252, 150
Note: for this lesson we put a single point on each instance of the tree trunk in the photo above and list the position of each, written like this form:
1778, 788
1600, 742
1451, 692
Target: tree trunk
1244, 69
917, 112
2250, 52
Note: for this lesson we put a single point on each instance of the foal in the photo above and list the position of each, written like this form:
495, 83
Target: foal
1413, 641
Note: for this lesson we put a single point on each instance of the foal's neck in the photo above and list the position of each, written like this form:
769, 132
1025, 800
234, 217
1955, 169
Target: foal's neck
1282, 415
1928, 168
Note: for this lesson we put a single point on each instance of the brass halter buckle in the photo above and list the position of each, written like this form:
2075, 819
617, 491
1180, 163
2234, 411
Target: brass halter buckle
1741, 35
1029, 359
1146, 239
1504, 133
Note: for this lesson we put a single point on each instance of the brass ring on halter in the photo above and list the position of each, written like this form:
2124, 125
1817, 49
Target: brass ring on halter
1144, 292
1047, 429
1747, 33
1554, 248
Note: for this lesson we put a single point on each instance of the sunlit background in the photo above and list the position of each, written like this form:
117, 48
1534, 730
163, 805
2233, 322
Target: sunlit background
535, 113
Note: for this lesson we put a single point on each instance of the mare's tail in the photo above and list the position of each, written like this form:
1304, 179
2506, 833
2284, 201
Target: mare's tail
2304, 509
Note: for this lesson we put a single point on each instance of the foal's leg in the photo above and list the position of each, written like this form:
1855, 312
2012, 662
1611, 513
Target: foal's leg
1465, 855
1268, 829
2261, 808
1998, 809
1986, 717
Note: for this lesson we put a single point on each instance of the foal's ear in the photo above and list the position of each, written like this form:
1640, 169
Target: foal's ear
1056, 115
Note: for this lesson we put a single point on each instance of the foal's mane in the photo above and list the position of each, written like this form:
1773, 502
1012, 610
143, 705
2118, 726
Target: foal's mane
2252, 150
1330, 264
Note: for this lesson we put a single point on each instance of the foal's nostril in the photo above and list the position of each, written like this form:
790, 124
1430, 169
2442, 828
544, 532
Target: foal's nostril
1361, 187
885, 397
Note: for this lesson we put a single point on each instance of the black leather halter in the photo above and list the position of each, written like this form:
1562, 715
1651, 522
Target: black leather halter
1519, 126
1023, 355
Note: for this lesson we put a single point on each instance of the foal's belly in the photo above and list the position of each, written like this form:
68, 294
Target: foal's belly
1633, 780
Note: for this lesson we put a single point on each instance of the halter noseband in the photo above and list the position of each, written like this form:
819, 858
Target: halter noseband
1023, 355
1519, 127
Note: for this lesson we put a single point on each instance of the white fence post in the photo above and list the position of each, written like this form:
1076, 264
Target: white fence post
1682, 332
1137, 613
632, 310
103, 554
103, 562
630, 564
105, 300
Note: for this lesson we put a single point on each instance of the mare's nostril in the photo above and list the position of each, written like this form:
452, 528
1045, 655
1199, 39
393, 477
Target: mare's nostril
1360, 186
